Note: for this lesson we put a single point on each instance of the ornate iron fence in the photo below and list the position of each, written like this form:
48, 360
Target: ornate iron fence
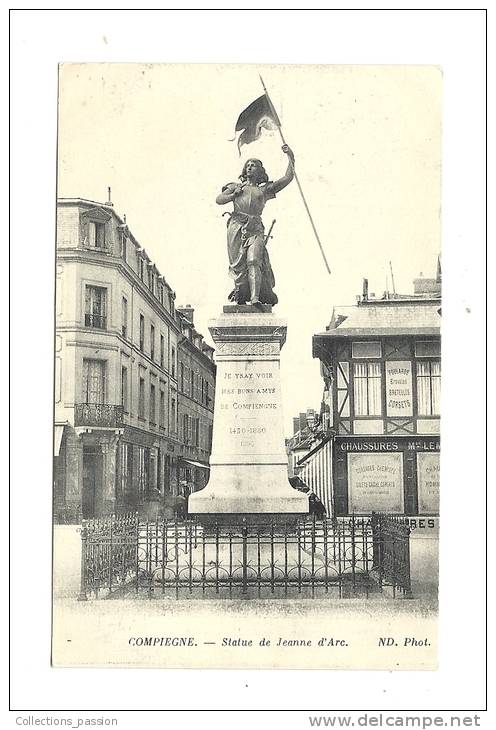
345, 557
108, 554
392, 552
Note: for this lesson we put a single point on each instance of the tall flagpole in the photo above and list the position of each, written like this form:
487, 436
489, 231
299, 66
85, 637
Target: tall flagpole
296, 178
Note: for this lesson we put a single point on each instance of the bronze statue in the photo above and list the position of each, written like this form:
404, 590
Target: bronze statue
249, 263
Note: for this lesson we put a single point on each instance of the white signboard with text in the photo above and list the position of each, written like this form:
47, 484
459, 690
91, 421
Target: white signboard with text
399, 399
428, 483
375, 483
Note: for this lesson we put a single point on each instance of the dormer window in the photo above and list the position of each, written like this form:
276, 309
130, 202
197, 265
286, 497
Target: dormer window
97, 234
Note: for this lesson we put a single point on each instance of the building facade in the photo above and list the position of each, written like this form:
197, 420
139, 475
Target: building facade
119, 340
381, 364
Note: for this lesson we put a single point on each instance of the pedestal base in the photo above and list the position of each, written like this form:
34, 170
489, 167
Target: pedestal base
248, 465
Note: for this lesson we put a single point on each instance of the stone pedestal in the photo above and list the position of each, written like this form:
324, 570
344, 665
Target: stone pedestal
248, 465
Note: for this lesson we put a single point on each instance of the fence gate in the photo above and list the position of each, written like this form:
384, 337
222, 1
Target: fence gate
350, 556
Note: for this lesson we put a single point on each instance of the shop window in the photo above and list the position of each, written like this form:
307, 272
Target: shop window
367, 389
429, 388
143, 471
95, 312
365, 349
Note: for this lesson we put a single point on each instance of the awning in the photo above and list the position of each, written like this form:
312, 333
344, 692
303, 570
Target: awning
314, 450
196, 463
57, 438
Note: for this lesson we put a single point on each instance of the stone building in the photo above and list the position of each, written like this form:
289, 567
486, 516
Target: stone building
119, 339
310, 456
195, 392
381, 364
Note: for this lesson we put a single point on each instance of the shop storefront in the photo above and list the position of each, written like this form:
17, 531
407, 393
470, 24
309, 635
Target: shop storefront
386, 474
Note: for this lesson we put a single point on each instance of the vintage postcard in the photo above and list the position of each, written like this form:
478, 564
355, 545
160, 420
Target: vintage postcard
247, 366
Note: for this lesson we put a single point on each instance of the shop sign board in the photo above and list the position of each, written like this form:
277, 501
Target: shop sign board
375, 482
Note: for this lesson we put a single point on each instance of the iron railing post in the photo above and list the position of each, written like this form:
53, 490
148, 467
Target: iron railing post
244, 535
83, 595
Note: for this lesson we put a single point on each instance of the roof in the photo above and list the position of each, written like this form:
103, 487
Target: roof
381, 318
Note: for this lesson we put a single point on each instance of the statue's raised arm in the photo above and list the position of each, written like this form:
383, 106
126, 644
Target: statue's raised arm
249, 263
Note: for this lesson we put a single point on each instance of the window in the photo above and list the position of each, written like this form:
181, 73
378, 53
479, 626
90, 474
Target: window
95, 313
124, 247
152, 342
197, 432
365, 349
429, 388
181, 377
124, 401
207, 397
161, 415
173, 362
428, 348
143, 471
124, 468
367, 388
142, 333
124, 317
152, 403
141, 399
202, 389
141, 269
97, 234
173, 415
185, 429
192, 374
94, 381
162, 351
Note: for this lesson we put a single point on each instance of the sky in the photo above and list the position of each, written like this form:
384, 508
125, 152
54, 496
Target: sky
367, 142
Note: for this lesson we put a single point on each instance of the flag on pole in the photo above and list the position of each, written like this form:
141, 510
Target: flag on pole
259, 115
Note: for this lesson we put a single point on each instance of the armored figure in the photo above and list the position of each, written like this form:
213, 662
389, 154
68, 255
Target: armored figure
249, 263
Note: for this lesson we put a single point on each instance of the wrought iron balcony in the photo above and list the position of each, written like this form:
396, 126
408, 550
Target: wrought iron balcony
103, 415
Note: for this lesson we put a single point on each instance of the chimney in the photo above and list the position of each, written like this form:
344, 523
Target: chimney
423, 286
303, 421
187, 311
296, 425
365, 290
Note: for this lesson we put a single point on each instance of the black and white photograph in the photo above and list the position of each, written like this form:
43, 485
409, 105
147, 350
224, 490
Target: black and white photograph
247, 364
254, 290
